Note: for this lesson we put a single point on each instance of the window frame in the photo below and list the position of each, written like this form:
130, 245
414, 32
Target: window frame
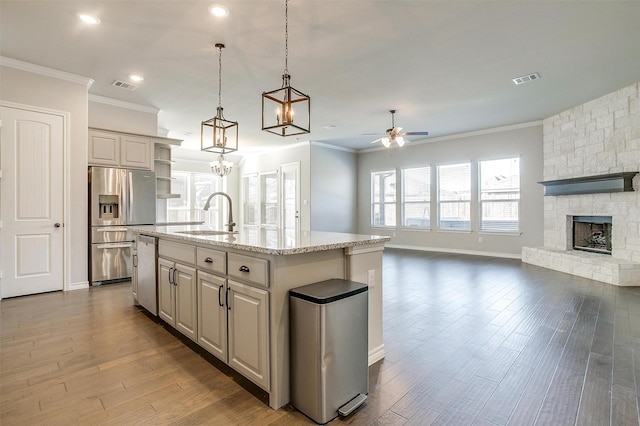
404, 202
383, 204
498, 201
441, 202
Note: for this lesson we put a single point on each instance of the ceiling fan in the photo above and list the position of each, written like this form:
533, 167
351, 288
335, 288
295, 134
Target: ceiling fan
395, 134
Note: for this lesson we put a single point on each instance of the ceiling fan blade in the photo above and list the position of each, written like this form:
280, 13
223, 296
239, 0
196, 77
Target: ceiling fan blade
416, 133
377, 140
372, 134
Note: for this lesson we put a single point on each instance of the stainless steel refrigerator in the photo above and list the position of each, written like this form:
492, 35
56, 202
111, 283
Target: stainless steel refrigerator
117, 198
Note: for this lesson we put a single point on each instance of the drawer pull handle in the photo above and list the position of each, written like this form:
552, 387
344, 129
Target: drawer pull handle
208, 260
244, 268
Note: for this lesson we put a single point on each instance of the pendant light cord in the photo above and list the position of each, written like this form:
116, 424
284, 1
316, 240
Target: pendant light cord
219, 76
286, 37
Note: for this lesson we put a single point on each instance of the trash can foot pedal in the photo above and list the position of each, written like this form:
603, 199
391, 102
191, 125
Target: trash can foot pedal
350, 406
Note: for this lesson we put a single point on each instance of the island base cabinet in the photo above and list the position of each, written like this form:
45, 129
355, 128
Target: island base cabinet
177, 296
212, 314
248, 328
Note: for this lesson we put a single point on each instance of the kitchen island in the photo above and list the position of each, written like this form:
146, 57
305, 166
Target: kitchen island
229, 292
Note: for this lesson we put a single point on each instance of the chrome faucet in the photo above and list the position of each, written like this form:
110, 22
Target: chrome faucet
231, 223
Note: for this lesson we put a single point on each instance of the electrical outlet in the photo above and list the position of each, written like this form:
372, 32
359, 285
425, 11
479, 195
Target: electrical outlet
371, 279
479, 239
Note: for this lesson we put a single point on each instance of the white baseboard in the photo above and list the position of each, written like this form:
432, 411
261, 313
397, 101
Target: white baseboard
456, 251
77, 286
376, 354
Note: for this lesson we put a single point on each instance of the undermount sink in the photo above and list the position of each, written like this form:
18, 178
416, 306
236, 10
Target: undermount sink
206, 232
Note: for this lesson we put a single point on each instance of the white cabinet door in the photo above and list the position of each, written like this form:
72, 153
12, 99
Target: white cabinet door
31, 191
104, 149
212, 314
166, 292
249, 332
136, 152
186, 300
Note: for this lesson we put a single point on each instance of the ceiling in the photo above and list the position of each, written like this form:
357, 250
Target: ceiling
445, 66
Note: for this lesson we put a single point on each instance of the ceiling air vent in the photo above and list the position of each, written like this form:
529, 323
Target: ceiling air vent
526, 78
124, 85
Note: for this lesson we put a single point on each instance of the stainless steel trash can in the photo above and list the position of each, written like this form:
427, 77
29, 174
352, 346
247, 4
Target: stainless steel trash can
329, 341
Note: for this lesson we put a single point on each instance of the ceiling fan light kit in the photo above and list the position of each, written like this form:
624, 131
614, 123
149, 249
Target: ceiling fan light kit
278, 113
395, 134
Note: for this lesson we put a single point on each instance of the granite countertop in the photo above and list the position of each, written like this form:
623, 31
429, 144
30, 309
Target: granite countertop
267, 241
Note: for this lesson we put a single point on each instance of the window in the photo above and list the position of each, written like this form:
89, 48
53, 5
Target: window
250, 200
499, 195
454, 196
383, 198
416, 197
269, 199
194, 189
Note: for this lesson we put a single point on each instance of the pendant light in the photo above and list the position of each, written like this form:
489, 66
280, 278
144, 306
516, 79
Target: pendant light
286, 111
218, 134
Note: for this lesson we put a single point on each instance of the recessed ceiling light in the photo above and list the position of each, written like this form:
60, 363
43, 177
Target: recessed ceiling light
88, 19
219, 10
135, 77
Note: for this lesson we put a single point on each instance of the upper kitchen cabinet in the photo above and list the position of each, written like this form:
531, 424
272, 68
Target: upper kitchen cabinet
120, 150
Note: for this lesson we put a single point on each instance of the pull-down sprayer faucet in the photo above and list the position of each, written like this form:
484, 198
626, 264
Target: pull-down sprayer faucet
231, 223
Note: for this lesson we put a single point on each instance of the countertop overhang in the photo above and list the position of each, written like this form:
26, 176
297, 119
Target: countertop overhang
267, 241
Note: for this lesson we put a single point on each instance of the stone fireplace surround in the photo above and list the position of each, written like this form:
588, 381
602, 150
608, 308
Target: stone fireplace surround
599, 137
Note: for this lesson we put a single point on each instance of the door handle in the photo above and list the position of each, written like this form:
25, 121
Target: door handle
244, 268
227, 299
174, 276
56, 225
134, 259
170, 271
208, 260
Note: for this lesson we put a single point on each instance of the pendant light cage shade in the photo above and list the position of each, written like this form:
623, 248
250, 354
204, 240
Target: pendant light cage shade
286, 111
219, 135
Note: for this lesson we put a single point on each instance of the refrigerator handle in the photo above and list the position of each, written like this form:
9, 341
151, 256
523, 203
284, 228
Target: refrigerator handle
124, 199
130, 197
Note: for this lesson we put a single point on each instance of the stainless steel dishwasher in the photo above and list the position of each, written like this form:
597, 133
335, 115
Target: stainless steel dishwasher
147, 287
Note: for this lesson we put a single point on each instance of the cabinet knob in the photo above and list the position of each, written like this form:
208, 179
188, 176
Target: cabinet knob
244, 268
208, 260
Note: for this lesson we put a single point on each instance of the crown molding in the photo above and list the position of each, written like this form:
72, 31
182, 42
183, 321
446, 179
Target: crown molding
337, 148
48, 72
123, 104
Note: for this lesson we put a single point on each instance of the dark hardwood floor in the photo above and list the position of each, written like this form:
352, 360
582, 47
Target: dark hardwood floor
469, 341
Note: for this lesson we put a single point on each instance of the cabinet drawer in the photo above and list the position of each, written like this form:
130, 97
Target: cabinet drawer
249, 269
209, 260
177, 251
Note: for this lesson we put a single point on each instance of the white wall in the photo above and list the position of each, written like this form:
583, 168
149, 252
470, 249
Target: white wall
524, 141
38, 90
105, 113
333, 189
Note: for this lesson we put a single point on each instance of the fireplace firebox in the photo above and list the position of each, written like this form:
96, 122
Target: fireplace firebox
592, 233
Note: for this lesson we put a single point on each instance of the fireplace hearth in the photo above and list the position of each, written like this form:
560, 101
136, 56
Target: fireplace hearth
592, 233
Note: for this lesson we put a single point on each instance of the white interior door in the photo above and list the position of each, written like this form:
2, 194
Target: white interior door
290, 184
32, 202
